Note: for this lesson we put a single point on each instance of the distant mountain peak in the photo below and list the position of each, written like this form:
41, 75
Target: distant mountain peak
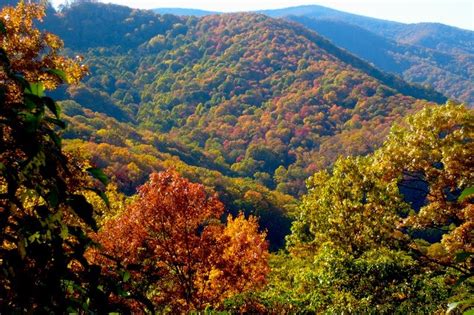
184, 11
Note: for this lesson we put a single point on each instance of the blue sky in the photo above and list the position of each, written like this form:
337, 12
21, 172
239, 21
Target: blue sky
458, 13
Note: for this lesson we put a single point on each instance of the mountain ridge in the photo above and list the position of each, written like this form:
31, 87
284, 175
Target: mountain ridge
184, 11
450, 73
430, 54
302, 10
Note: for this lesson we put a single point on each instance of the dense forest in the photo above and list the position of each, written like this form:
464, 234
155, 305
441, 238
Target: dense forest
261, 98
230, 163
430, 54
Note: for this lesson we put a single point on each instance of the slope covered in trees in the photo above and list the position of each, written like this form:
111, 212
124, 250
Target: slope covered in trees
128, 156
431, 54
450, 71
262, 98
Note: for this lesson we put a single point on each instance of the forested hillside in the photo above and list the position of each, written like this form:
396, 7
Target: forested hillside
227, 164
128, 155
449, 70
261, 98
430, 54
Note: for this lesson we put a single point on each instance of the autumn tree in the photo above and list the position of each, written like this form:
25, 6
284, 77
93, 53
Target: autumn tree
33, 53
349, 207
430, 157
176, 249
348, 252
44, 215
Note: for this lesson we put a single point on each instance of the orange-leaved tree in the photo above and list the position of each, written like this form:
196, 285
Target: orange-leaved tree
33, 53
175, 248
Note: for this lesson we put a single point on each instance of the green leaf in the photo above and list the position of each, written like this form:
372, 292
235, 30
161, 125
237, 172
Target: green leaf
36, 89
56, 139
466, 193
121, 292
22, 81
32, 238
53, 107
64, 232
53, 198
83, 209
104, 197
469, 312
58, 73
34, 102
32, 122
30, 102
126, 276
97, 173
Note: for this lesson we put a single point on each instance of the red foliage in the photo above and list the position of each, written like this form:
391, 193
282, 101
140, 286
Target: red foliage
180, 252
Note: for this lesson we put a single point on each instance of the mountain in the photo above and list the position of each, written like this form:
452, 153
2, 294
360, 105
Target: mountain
183, 12
437, 36
264, 98
427, 53
102, 114
256, 134
429, 35
430, 54
450, 73
321, 12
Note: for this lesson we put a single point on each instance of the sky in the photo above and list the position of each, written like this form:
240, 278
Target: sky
458, 13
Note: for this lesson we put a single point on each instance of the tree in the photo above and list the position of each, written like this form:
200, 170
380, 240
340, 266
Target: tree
44, 215
349, 207
34, 54
346, 251
177, 250
239, 265
361, 241
430, 158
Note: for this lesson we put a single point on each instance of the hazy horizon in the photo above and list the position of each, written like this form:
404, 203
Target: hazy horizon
458, 13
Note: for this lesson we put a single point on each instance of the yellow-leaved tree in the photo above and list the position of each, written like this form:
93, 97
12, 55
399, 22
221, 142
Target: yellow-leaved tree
390, 232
